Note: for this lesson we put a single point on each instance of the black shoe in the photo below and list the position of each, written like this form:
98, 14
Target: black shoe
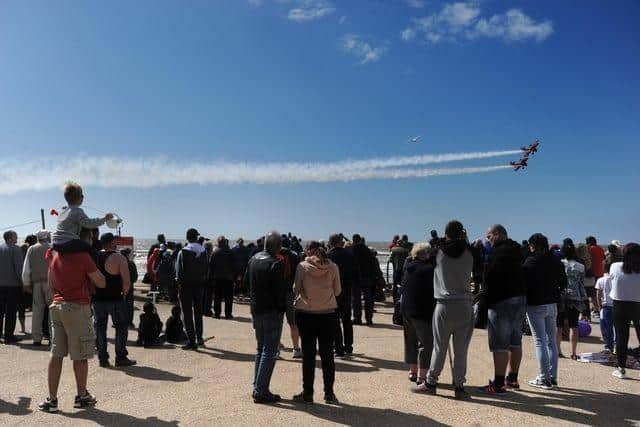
125, 362
228, 316
369, 322
266, 399
462, 394
200, 342
208, 314
12, 340
331, 399
85, 401
424, 388
357, 322
105, 363
340, 354
303, 398
37, 343
217, 316
49, 405
190, 346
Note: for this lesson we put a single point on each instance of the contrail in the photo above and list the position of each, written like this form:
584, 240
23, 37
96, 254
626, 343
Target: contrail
48, 173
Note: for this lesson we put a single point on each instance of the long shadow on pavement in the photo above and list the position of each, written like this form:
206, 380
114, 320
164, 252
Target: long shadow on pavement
572, 405
21, 408
154, 374
116, 419
359, 415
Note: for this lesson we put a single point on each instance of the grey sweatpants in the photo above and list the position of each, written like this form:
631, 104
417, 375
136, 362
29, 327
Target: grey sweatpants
42, 298
451, 319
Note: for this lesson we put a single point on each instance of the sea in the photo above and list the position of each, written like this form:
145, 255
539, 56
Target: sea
141, 248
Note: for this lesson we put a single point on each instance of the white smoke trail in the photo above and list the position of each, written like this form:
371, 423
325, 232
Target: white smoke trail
42, 174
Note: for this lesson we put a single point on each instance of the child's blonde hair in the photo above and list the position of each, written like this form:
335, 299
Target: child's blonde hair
72, 193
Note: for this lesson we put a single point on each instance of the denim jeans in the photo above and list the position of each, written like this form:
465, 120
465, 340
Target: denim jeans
268, 327
606, 327
118, 312
542, 319
504, 324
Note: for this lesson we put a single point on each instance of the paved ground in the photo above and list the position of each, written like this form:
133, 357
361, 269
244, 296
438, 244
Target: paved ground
212, 387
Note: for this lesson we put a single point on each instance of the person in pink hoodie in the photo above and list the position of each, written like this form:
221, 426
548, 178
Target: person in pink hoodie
316, 286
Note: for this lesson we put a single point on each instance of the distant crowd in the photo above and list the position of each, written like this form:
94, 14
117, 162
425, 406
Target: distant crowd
75, 279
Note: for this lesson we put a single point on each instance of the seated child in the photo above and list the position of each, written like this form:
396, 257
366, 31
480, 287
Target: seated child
150, 326
71, 220
174, 331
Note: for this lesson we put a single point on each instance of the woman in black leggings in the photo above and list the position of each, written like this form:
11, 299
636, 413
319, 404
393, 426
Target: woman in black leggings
317, 284
625, 293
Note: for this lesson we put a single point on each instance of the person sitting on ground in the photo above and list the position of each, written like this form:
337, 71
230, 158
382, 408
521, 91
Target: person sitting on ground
317, 284
71, 220
574, 297
174, 328
417, 305
150, 326
453, 315
625, 293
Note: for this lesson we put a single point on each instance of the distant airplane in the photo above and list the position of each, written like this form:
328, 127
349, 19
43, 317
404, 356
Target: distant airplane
531, 149
415, 139
520, 164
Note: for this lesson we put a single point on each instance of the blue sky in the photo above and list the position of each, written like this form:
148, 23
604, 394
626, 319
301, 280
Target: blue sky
325, 81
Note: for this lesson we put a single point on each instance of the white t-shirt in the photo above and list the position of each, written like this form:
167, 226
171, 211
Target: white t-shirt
604, 284
624, 287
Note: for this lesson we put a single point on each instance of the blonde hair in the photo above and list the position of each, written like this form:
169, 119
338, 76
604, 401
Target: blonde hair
419, 249
72, 192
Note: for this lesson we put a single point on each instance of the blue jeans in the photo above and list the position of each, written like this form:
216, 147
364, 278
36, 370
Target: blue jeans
606, 327
504, 323
118, 312
542, 320
268, 327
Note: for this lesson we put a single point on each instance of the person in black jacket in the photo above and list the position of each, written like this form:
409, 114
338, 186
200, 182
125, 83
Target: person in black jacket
505, 292
222, 268
344, 328
133, 274
417, 304
363, 280
266, 283
191, 275
545, 278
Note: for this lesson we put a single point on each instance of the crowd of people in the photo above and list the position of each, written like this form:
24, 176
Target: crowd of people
441, 290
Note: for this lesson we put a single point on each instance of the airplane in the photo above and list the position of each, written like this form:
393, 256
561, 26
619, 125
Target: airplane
520, 164
415, 139
531, 149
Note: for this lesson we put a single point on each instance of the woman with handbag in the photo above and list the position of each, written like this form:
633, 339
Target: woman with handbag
417, 305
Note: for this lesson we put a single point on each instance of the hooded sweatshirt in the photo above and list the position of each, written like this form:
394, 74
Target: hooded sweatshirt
452, 274
192, 265
316, 286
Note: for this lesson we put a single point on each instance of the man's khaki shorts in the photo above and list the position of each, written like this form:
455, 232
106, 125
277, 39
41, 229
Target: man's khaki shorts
72, 331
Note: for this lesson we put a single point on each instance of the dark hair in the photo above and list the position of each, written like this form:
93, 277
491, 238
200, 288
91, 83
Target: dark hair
356, 238
336, 239
569, 251
175, 311
631, 258
85, 232
31, 240
540, 243
192, 235
148, 307
395, 238
434, 234
320, 251
222, 242
161, 238
591, 240
405, 237
8, 235
454, 230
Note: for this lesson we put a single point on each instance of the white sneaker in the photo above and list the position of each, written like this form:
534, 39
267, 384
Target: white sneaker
619, 373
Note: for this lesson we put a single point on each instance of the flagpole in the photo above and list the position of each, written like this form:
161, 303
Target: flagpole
42, 218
